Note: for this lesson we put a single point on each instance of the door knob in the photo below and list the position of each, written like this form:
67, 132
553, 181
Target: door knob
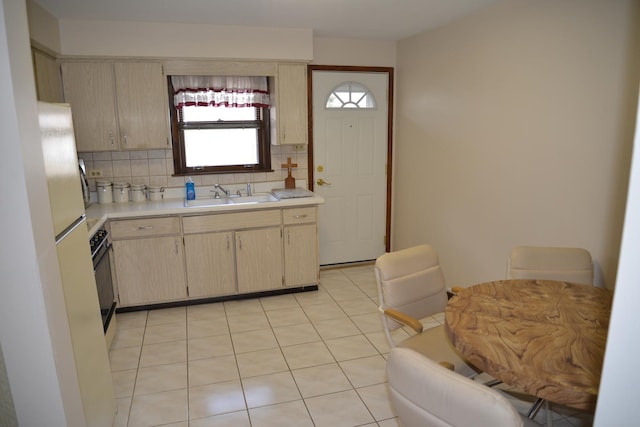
321, 181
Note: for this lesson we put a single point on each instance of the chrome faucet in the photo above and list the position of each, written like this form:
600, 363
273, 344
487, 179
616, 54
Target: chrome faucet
226, 192
249, 192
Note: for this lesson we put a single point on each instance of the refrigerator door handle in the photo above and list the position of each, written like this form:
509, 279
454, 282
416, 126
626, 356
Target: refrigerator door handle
70, 228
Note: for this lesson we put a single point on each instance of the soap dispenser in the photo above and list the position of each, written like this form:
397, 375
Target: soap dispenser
191, 189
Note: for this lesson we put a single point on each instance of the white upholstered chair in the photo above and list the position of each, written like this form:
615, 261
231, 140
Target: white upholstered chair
552, 263
411, 287
425, 394
573, 265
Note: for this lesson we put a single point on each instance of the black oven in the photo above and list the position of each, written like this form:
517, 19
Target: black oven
100, 248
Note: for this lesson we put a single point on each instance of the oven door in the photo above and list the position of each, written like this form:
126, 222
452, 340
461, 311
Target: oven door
104, 282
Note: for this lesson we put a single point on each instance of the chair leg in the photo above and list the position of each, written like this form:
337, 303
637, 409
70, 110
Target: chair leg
547, 408
492, 383
535, 408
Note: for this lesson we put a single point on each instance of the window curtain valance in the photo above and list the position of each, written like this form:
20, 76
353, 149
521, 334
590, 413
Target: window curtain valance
220, 91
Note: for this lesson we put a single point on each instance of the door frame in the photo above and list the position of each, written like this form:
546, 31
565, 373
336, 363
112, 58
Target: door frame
390, 83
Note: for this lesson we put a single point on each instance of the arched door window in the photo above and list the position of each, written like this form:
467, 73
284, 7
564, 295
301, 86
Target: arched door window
350, 95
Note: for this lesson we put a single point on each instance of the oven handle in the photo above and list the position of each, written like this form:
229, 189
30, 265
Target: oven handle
107, 245
105, 241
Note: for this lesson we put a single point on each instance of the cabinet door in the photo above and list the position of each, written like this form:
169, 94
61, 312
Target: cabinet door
89, 88
48, 78
149, 270
210, 264
301, 255
259, 259
141, 97
292, 104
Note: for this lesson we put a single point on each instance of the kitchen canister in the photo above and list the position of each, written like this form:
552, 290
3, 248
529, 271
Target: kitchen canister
138, 193
155, 193
121, 192
104, 190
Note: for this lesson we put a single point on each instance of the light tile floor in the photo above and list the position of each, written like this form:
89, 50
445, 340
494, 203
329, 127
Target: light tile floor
308, 359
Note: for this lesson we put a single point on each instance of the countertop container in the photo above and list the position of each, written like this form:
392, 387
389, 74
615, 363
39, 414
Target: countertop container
138, 193
105, 193
155, 193
121, 192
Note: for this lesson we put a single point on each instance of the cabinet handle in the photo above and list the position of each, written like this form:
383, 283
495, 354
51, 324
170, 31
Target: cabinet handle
300, 216
148, 227
124, 138
176, 246
113, 143
228, 243
239, 242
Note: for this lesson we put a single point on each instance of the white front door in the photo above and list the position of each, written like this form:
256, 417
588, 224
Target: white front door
349, 164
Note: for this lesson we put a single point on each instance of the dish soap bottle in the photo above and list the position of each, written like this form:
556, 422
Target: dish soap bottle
191, 189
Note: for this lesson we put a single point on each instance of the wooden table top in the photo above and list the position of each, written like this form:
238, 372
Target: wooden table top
544, 337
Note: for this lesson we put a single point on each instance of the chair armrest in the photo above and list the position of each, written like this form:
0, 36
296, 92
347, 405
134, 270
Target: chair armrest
405, 319
447, 365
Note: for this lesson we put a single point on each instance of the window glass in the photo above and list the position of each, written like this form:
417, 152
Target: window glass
350, 95
213, 136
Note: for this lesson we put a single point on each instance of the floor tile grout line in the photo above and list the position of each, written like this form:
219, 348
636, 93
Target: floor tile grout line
571, 418
338, 362
135, 382
271, 326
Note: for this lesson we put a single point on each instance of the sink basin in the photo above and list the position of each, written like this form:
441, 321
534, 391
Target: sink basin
232, 200
257, 198
199, 203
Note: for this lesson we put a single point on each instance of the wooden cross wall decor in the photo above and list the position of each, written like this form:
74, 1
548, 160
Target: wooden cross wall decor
289, 181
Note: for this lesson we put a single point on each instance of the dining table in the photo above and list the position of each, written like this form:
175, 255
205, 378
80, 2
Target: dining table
544, 337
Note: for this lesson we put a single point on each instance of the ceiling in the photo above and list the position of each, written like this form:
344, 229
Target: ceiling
363, 19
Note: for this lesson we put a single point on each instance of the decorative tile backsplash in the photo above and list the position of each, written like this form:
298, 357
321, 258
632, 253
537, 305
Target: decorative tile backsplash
155, 167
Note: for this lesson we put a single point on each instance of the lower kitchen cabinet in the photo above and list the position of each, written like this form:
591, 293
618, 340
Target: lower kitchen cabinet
192, 257
259, 259
148, 260
301, 254
301, 246
211, 266
256, 238
149, 270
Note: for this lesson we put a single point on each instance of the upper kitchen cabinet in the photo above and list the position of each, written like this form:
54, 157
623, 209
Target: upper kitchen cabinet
141, 96
47, 76
117, 106
291, 105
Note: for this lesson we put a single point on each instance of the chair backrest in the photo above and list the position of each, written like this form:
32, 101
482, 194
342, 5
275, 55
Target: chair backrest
426, 394
552, 263
411, 281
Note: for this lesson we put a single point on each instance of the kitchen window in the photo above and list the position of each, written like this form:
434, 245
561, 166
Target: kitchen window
220, 124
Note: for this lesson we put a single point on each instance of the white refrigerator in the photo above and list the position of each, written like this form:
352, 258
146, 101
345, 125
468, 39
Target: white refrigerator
74, 257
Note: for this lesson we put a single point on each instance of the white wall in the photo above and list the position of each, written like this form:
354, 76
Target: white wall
356, 52
514, 126
43, 27
617, 399
77, 37
119, 38
33, 326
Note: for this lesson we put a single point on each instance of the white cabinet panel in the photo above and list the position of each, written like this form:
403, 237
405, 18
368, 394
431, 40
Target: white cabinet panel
210, 264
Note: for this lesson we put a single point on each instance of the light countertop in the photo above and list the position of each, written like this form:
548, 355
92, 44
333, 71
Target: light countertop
98, 214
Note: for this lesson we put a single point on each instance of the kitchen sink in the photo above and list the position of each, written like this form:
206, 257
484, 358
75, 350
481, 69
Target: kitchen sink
231, 200
199, 203
257, 198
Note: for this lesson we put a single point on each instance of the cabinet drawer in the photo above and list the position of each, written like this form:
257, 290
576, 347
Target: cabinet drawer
298, 215
144, 227
231, 221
